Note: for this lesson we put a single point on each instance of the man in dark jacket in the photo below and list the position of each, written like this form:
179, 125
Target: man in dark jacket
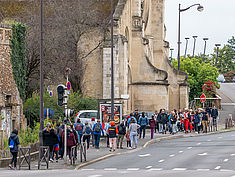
13, 142
137, 115
121, 134
164, 120
214, 115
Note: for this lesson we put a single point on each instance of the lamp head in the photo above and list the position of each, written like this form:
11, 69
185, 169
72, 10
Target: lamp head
194, 37
200, 8
171, 49
187, 38
217, 45
205, 39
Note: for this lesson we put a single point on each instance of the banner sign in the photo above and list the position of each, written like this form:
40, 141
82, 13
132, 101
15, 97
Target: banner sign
105, 113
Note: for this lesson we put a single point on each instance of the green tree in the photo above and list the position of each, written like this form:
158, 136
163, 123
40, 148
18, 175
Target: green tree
226, 57
75, 102
18, 61
198, 73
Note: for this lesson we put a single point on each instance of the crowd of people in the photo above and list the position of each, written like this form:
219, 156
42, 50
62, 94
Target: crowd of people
130, 128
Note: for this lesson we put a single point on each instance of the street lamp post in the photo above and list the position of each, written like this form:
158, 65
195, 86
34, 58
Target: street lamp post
41, 74
204, 53
217, 53
199, 8
194, 44
112, 68
186, 46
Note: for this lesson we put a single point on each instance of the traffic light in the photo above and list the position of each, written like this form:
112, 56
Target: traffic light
68, 113
60, 91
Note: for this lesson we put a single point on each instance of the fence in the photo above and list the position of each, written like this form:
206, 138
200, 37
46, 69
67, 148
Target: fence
196, 103
44, 155
24, 156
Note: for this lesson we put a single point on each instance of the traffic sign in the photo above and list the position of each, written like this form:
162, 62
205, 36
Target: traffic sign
68, 86
203, 98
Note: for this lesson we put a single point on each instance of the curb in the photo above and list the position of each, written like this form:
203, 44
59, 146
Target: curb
147, 144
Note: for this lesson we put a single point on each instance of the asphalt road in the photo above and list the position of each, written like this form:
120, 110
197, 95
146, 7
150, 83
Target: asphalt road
211, 155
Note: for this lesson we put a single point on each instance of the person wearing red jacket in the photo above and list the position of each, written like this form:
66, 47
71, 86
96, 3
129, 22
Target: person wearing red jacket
70, 141
112, 131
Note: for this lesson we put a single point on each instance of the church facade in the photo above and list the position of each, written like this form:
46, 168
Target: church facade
141, 64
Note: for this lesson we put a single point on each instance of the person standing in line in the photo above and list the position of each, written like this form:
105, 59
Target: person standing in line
152, 124
214, 115
121, 133
112, 131
92, 133
143, 122
128, 140
173, 122
87, 134
107, 125
156, 122
159, 120
137, 115
13, 143
133, 133
70, 141
79, 127
97, 129
164, 120
130, 118
197, 122
205, 119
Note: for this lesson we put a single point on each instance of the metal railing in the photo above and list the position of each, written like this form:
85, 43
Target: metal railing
24, 156
83, 151
44, 155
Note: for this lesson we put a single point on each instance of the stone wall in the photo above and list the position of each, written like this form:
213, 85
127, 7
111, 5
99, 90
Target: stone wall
11, 106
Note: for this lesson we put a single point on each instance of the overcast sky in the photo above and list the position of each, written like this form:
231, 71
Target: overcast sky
216, 22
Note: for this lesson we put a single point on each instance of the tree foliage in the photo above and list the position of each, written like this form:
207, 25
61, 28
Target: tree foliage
75, 102
18, 58
198, 73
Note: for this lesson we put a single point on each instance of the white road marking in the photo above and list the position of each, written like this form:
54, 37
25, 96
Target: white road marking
189, 147
224, 170
86, 169
232, 135
232, 154
203, 154
160, 161
217, 168
172, 155
220, 137
208, 140
225, 160
149, 167
132, 169
144, 155
110, 169
203, 169
95, 175
155, 169
181, 151
199, 143
179, 169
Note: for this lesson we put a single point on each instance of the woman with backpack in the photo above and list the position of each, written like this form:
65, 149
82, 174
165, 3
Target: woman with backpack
87, 134
13, 142
79, 128
97, 129
112, 131
133, 132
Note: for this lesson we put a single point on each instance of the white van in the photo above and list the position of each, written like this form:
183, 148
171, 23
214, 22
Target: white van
86, 115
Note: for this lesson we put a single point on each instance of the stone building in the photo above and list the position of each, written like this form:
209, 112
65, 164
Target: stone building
11, 106
141, 63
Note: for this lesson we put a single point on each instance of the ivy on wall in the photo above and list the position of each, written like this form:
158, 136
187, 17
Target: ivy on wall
18, 57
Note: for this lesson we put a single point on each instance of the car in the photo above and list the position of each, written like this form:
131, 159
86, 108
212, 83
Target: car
86, 115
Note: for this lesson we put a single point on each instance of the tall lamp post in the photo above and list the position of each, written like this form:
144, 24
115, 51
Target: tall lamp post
204, 53
41, 74
112, 68
194, 44
199, 8
217, 53
186, 46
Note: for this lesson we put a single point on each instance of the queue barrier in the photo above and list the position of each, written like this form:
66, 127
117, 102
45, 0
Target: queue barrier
44, 155
24, 156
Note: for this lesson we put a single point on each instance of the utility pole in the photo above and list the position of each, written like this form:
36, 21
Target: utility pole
41, 75
112, 67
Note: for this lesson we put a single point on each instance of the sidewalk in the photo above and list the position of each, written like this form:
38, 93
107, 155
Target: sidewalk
94, 155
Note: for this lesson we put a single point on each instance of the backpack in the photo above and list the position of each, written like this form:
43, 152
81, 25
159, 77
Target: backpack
120, 129
97, 128
78, 127
88, 130
12, 144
